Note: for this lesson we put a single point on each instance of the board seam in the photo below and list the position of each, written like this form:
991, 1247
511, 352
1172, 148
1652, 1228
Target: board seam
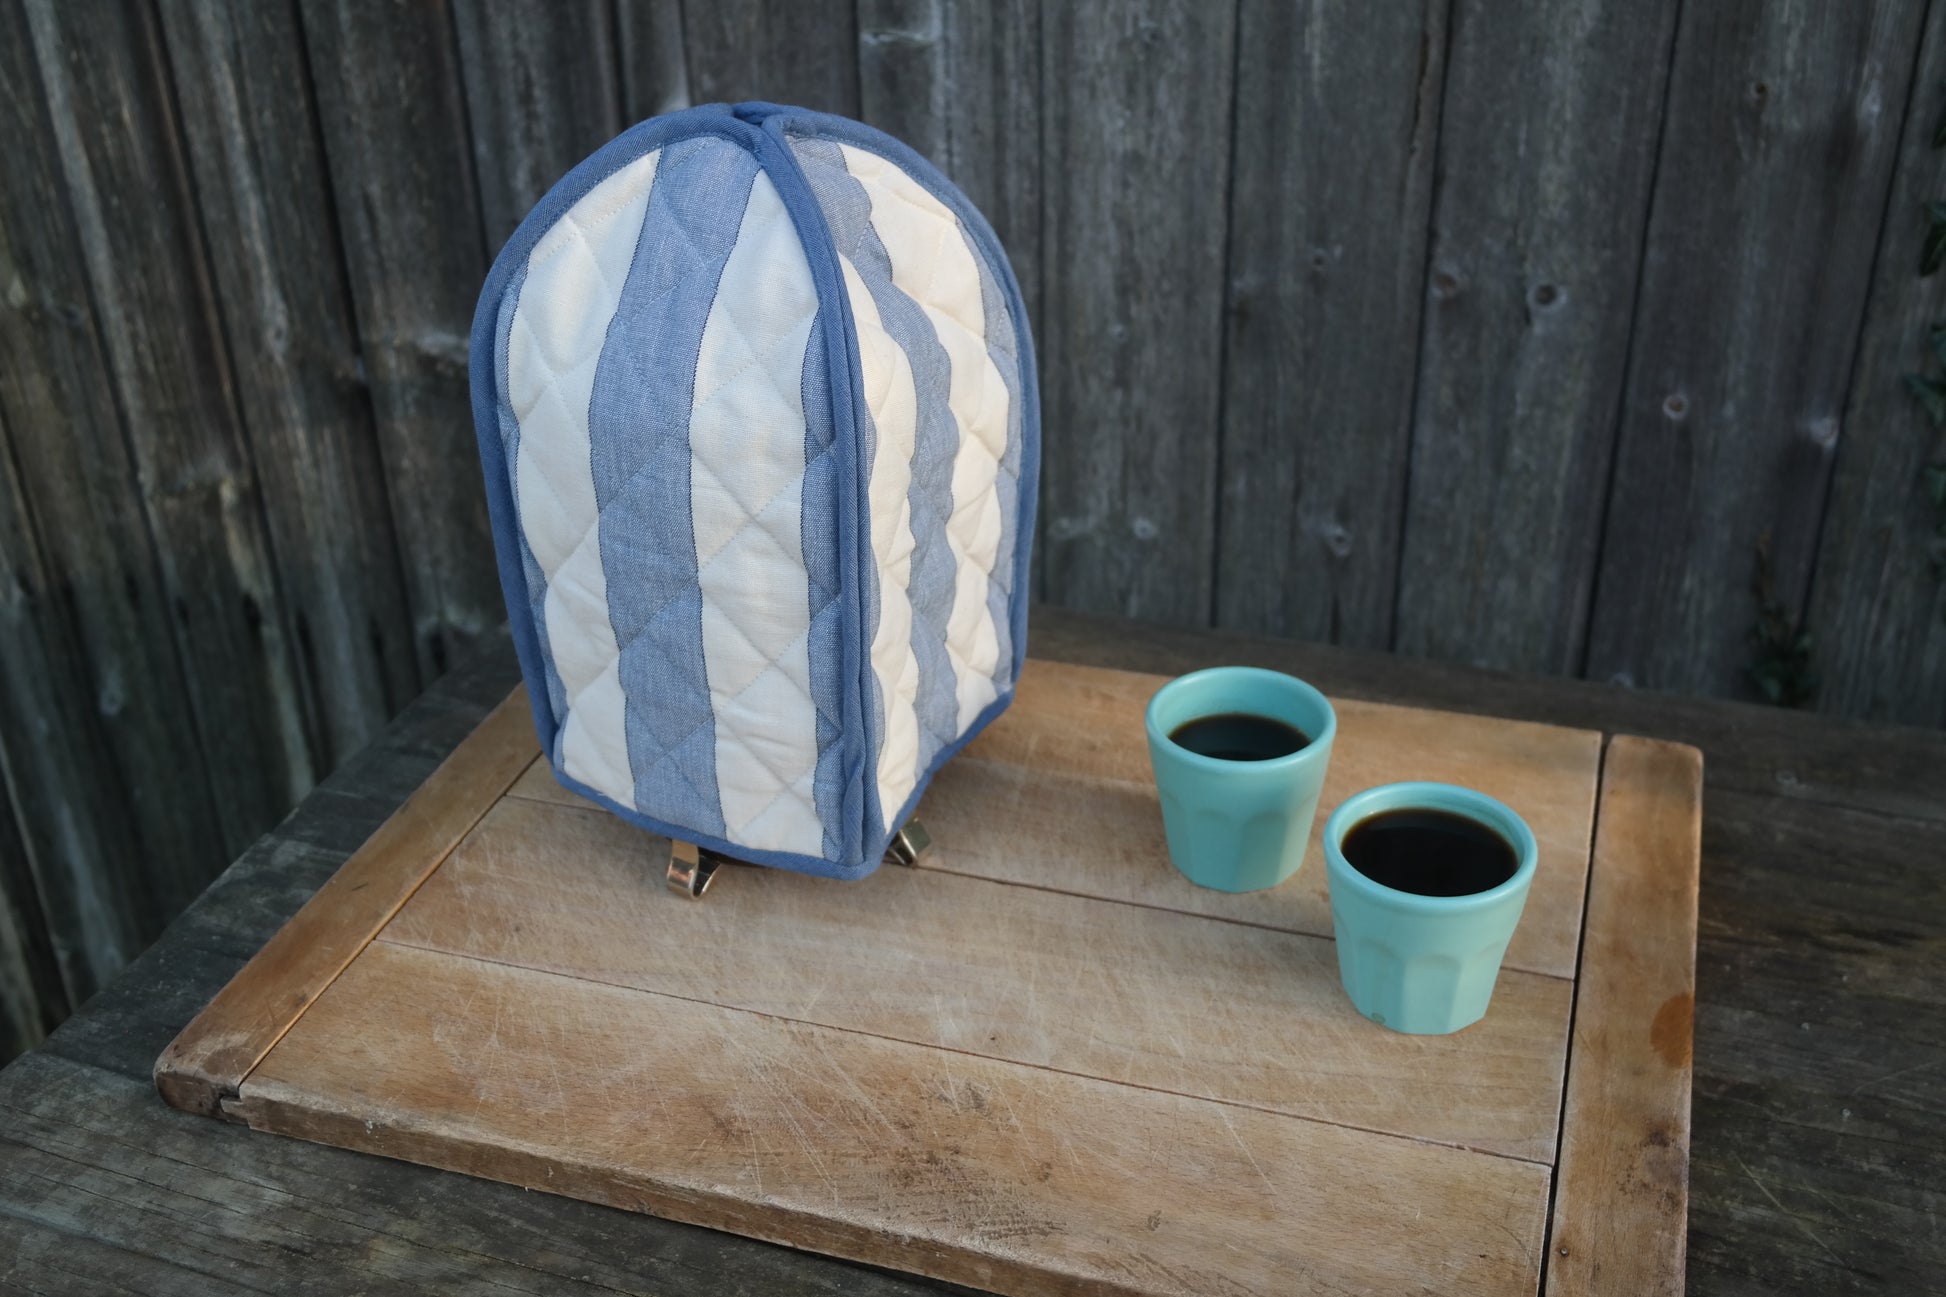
949, 1049
1574, 1005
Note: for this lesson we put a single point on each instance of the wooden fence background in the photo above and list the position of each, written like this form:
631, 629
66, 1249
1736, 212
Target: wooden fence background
1499, 332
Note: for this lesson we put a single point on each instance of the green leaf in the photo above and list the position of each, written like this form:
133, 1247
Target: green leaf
1931, 395
1932, 253
1939, 128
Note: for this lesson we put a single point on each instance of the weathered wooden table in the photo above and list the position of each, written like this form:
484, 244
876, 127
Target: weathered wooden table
1819, 1146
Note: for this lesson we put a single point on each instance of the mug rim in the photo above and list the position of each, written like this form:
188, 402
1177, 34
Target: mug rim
1316, 749
1411, 794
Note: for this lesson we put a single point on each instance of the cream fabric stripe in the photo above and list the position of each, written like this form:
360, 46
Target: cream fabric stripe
746, 447
575, 276
894, 406
932, 264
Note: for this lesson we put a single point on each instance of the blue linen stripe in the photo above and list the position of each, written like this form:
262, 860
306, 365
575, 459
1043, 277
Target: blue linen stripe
838, 800
638, 429
847, 211
1004, 348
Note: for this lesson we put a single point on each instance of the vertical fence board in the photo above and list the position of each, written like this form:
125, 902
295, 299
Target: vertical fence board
112, 116
1782, 125
395, 136
265, 202
110, 779
1547, 145
782, 51
1878, 607
959, 81
74, 862
1136, 109
905, 73
1337, 110
31, 998
542, 92
655, 77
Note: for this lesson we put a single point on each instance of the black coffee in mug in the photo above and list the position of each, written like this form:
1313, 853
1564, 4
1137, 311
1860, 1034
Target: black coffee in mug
1429, 853
1239, 736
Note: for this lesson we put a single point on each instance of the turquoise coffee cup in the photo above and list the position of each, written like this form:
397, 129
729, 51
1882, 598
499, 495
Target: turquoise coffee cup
1238, 826
1424, 965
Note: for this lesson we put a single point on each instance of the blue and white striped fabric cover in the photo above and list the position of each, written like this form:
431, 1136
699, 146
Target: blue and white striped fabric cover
756, 403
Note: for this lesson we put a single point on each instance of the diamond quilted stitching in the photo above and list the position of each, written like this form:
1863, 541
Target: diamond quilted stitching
960, 539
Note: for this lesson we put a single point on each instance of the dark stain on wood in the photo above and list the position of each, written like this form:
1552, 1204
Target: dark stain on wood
1673, 1028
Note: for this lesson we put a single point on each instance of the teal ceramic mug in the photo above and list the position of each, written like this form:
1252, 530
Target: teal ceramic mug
1424, 965
1239, 826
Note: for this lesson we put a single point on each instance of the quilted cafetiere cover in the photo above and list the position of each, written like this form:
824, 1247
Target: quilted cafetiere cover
756, 402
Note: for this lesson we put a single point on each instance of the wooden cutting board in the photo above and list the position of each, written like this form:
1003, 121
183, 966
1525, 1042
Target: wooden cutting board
1041, 1062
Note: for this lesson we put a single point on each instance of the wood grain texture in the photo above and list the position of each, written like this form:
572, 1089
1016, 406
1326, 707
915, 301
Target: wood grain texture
1010, 1178
655, 78
543, 91
1338, 108
1136, 165
775, 50
1070, 760
1621, 1188
1816, 1159
1878, 606
1547, 143
202, 1066
1123, 993
395, 133
1782, 127
111, 1192
59, 786
1765, 751
85, 621
32, 998
264, 199
960, 82
111, 112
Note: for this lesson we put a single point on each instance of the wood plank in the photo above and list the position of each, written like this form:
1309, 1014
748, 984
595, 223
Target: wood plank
395, 134
1080, 733
1622, 1192
60, 789
1140, 996
1878, 609
774, 50
131, 1021
1136, 106
1338, 108
203, 1065
262, 194
655, 78
961, 84
1778, 146
1547, 147
1834, 1118
114, 797
165, 1202
1069, 764
1011, 1178
1802, 759
32, 998
111, 111
543, 91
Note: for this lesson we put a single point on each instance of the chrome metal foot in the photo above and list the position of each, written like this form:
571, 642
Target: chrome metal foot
909, 845
691, 869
